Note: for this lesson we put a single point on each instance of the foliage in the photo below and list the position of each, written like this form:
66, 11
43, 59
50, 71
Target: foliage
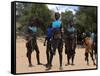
26, 10
85, 17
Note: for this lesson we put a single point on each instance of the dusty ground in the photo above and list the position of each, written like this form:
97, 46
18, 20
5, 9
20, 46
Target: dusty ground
22, 62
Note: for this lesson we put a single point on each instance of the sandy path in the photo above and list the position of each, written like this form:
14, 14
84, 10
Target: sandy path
22, 62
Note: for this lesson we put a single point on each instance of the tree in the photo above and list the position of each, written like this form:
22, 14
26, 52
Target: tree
27, 10
87, 18
66, 17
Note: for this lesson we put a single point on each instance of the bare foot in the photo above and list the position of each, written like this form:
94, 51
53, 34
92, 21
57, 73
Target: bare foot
61, 68
30, 65
72, 64
39, 64
67, 64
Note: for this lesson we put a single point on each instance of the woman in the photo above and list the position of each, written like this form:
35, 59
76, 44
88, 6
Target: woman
70, 42
31, 43
56, 41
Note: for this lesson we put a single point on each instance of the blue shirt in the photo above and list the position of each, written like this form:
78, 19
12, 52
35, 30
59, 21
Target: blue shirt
33, 29
56, 24
71, 29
